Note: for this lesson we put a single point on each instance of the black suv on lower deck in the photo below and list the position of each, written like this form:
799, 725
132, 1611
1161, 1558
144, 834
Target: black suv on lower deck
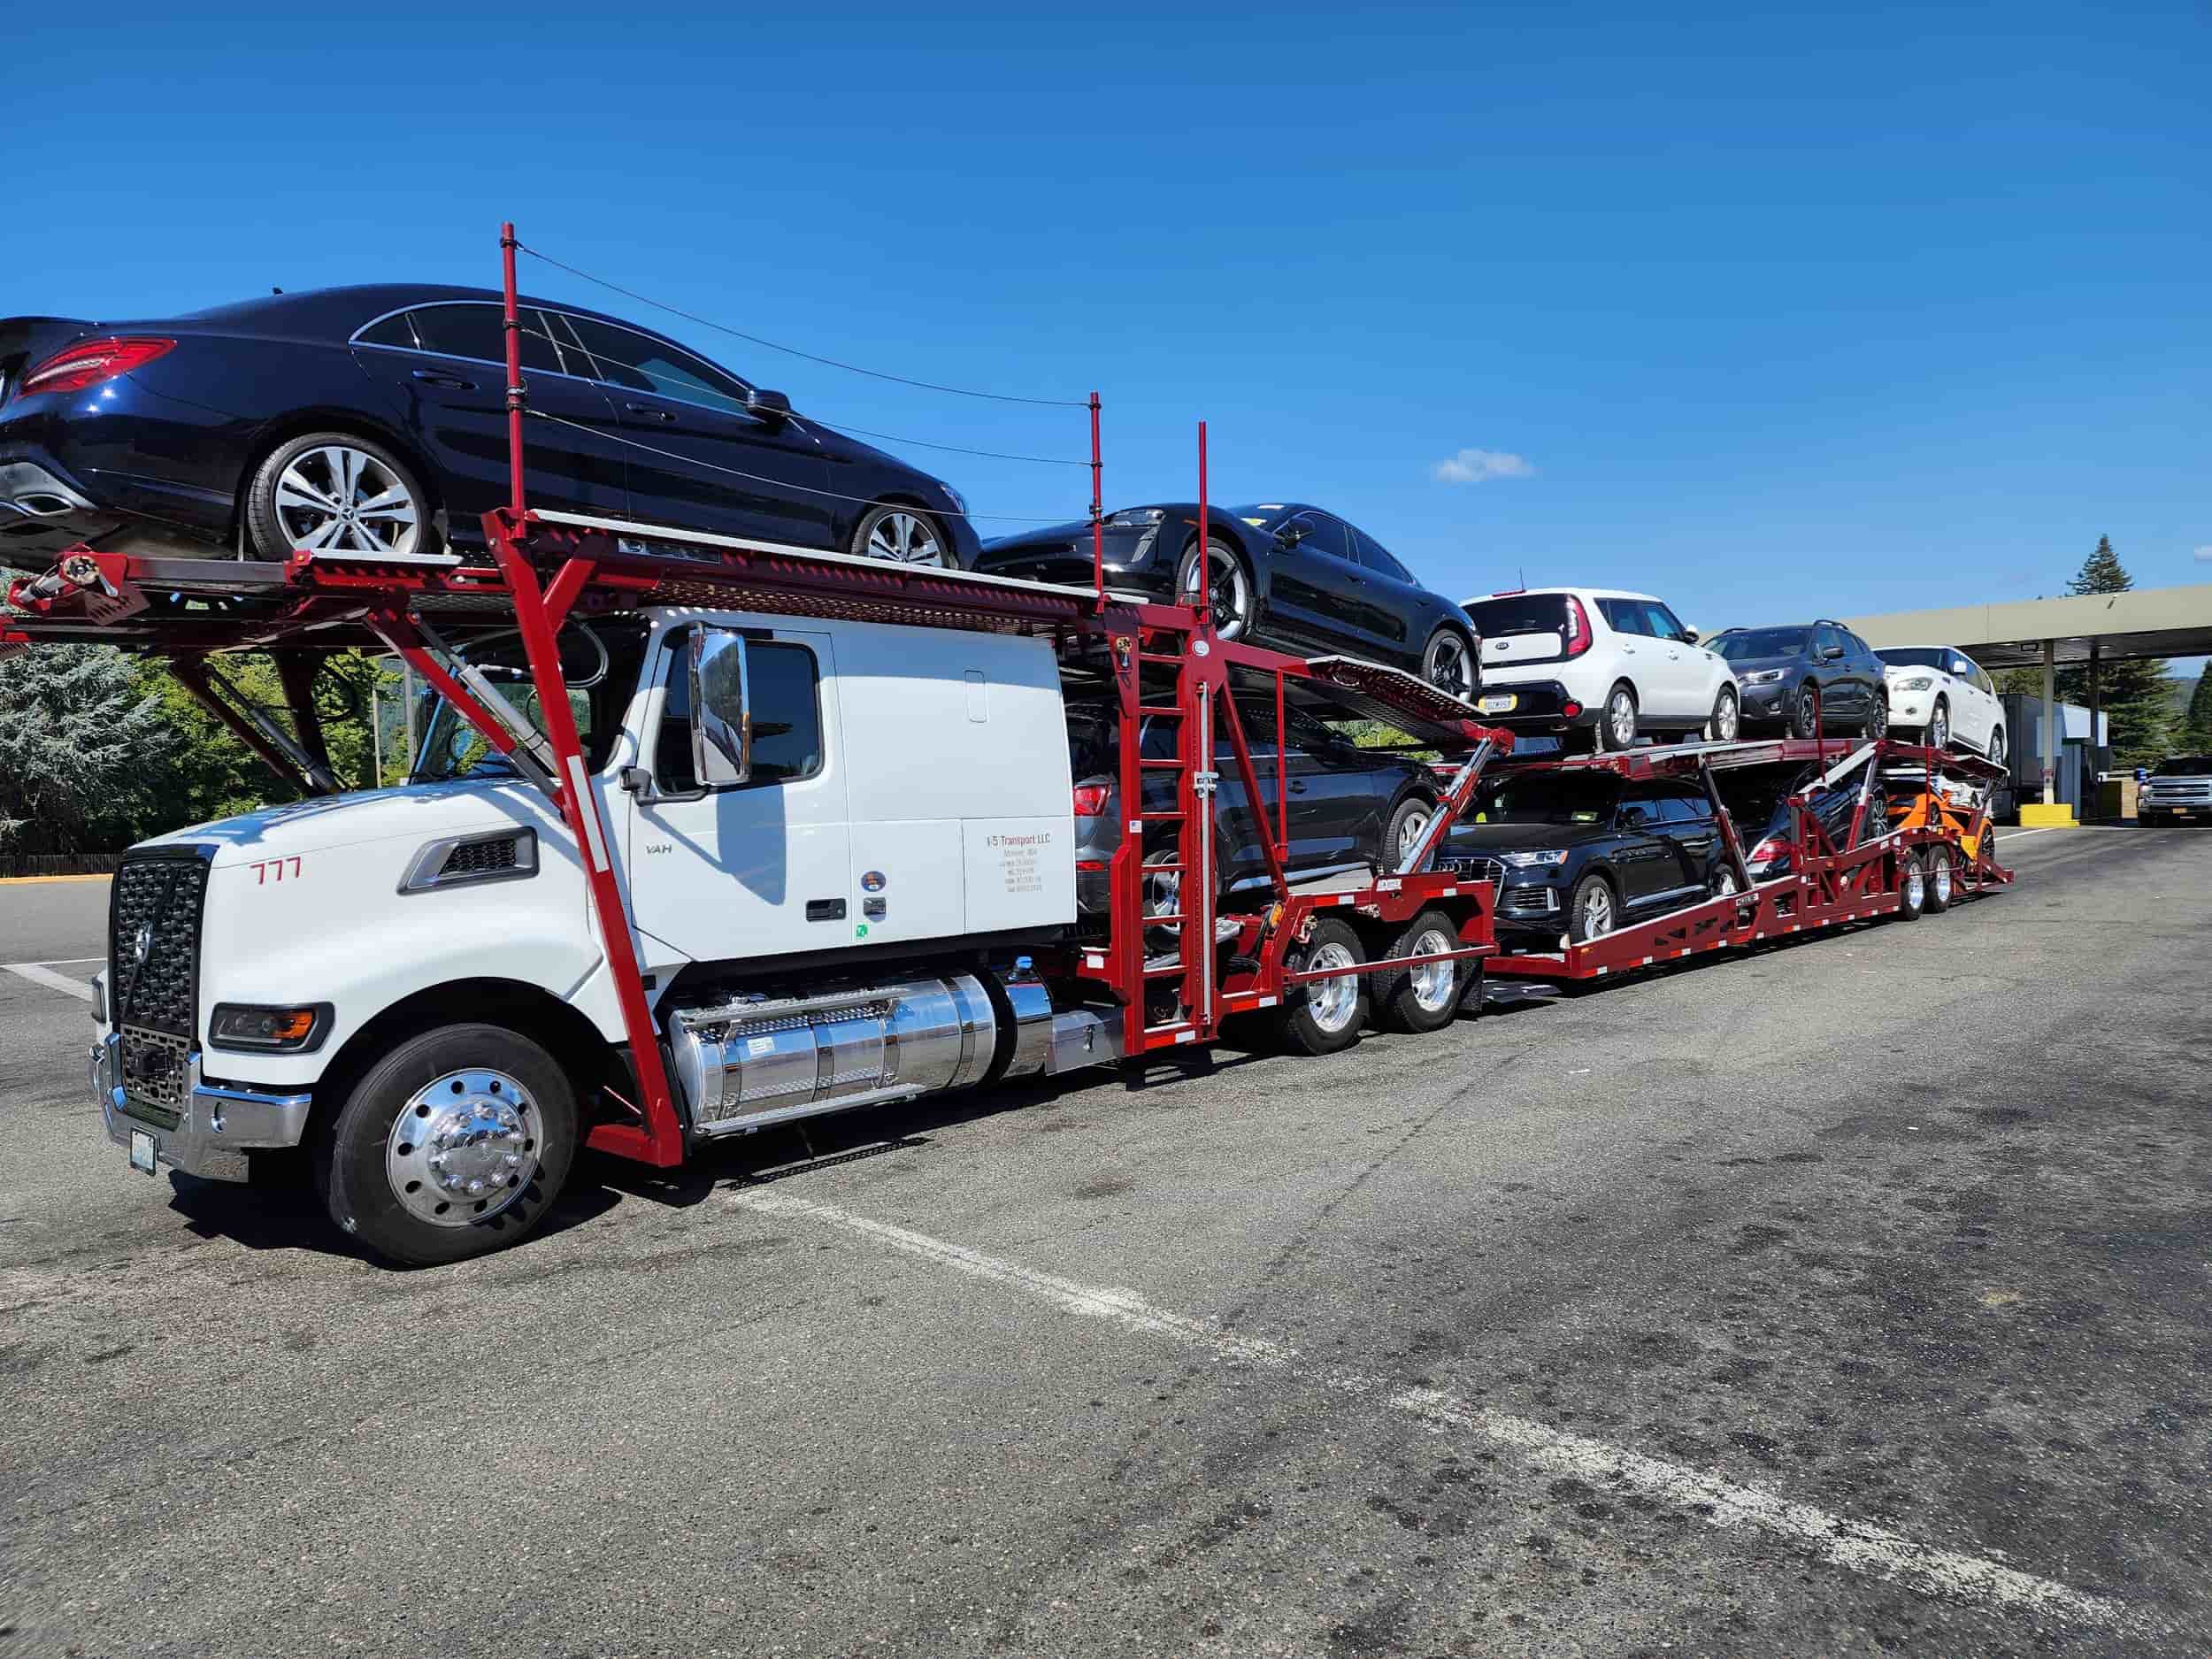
1350, 808
1582, 853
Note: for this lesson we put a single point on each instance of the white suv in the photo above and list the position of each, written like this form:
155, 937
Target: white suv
1586, 659
1940, 691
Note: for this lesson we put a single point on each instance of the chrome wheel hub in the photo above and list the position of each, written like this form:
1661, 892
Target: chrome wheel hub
1597, 915
1433, 982
1725, 721
1416, 825
1228, 595
1942, 877
346, 499
463, 1147
1621, 713
1915, 887
905, 538
1332, 1001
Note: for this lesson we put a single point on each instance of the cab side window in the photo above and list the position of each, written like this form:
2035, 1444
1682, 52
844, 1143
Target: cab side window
783, 687
1625, 616
1665, 623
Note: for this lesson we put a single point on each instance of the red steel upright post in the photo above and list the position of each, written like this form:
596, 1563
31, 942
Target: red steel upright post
1205, 600
514, 373
1098, 507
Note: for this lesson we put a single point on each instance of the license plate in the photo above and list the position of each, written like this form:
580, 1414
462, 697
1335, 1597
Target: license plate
141, 1151
1498, 702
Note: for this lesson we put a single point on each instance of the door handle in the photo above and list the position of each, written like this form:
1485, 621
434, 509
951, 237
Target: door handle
825, 909
649, 410
453, 381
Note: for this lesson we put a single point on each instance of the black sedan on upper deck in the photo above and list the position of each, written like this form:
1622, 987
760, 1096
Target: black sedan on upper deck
373, 420
1279, 573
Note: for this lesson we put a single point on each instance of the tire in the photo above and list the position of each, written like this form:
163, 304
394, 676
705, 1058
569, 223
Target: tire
900, 535
486, 1082
1724, 884
339, 492
1942, 878
1996, 750
1912, 889
1619, 718
1727, 721
1422, 999
1805, 719
1318, 1016
1448, 663
1407, 823
1938, 734
1877, 724
1236, 606
1593, 911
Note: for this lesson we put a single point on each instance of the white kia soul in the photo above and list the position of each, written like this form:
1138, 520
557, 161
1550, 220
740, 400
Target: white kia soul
1617, 666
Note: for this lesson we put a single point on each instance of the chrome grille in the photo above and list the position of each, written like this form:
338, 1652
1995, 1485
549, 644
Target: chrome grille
154, 942
1488, 869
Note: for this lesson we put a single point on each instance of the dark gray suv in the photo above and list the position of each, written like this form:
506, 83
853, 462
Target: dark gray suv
1807, 675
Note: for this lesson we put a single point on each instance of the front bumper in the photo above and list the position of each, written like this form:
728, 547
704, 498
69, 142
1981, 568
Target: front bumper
1766, 705
217, 1126
1131, 561
1911, 708
2195, 804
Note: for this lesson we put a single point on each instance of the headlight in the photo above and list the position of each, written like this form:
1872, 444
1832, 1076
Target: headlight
1137, 515
239, 1026
1764, 677
1919, 682
959, 502
1529, 860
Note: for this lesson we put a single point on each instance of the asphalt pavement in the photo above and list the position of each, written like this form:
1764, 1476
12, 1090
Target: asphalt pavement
1847, 1297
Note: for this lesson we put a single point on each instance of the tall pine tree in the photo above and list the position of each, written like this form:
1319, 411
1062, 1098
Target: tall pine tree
80, 742
2134, 697
2196, 724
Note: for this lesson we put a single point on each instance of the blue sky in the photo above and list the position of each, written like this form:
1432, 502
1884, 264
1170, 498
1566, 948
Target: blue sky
1776, 315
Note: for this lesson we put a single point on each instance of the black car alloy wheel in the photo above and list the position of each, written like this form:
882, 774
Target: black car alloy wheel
1227, 586
1448, 664
904, 536
337, 492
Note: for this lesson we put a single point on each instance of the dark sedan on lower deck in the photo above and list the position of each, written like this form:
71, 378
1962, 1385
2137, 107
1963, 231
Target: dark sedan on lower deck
1277, 573
374, 419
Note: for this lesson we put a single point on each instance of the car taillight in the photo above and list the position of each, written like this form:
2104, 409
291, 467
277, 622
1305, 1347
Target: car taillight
1772, 850
1090, 799
89, 361
1577, 627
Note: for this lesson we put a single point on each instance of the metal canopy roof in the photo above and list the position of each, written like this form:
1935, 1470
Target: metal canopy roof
2148, 622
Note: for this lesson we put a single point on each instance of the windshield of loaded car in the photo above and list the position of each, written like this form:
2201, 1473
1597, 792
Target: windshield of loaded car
1548, 798
2184, 766
1915, 656
1742, 644
600, 662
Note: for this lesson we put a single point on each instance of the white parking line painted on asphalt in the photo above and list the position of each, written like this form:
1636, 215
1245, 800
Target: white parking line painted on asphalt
39, 973
1860, 1547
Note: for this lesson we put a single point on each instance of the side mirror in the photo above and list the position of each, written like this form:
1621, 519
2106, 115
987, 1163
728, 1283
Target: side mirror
1690, 636
767, 405
1631, 817
721, 728
1290, 535
1830, 653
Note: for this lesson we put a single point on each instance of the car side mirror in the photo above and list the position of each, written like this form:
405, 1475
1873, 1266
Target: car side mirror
721, 727
1632, 817
1290, 535
1690, 636
767, 405
1830, 653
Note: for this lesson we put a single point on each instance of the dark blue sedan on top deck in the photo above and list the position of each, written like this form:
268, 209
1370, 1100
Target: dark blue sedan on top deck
373, 418
1277, 574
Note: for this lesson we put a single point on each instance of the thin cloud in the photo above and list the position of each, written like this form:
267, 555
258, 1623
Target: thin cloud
1479, 467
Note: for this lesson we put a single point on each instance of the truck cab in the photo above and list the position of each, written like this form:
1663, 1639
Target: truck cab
836, 839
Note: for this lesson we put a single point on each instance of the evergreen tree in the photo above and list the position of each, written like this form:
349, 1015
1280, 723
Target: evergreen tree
2196, 724
2132, 694
81, 745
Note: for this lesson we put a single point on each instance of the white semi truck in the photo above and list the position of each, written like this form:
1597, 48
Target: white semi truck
788, 860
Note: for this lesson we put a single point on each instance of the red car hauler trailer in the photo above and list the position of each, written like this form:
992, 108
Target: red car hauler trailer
1887, 861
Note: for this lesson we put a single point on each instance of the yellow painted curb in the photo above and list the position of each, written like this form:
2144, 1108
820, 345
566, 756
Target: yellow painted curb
25, 881
2037, 816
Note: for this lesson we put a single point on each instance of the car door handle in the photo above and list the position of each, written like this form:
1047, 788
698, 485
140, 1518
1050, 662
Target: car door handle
825, 909
452, 381
1297, 787
651, 411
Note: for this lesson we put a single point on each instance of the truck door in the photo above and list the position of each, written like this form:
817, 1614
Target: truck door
755, 869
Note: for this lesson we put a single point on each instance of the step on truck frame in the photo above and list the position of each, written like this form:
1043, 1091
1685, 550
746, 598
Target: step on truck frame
544, 569
1826, 886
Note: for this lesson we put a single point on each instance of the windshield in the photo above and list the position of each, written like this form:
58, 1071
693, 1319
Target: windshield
1740, 644
1916, 656
601, 664
1263, 515
2184, 766
1548, 798
1517, 613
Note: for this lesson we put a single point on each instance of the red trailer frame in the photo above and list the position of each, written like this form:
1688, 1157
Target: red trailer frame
1164, 662
1826, 886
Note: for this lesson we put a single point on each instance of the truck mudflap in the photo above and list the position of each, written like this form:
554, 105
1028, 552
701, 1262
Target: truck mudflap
216, 1125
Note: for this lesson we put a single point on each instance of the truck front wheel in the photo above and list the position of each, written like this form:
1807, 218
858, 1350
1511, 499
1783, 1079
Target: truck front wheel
454, 1144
